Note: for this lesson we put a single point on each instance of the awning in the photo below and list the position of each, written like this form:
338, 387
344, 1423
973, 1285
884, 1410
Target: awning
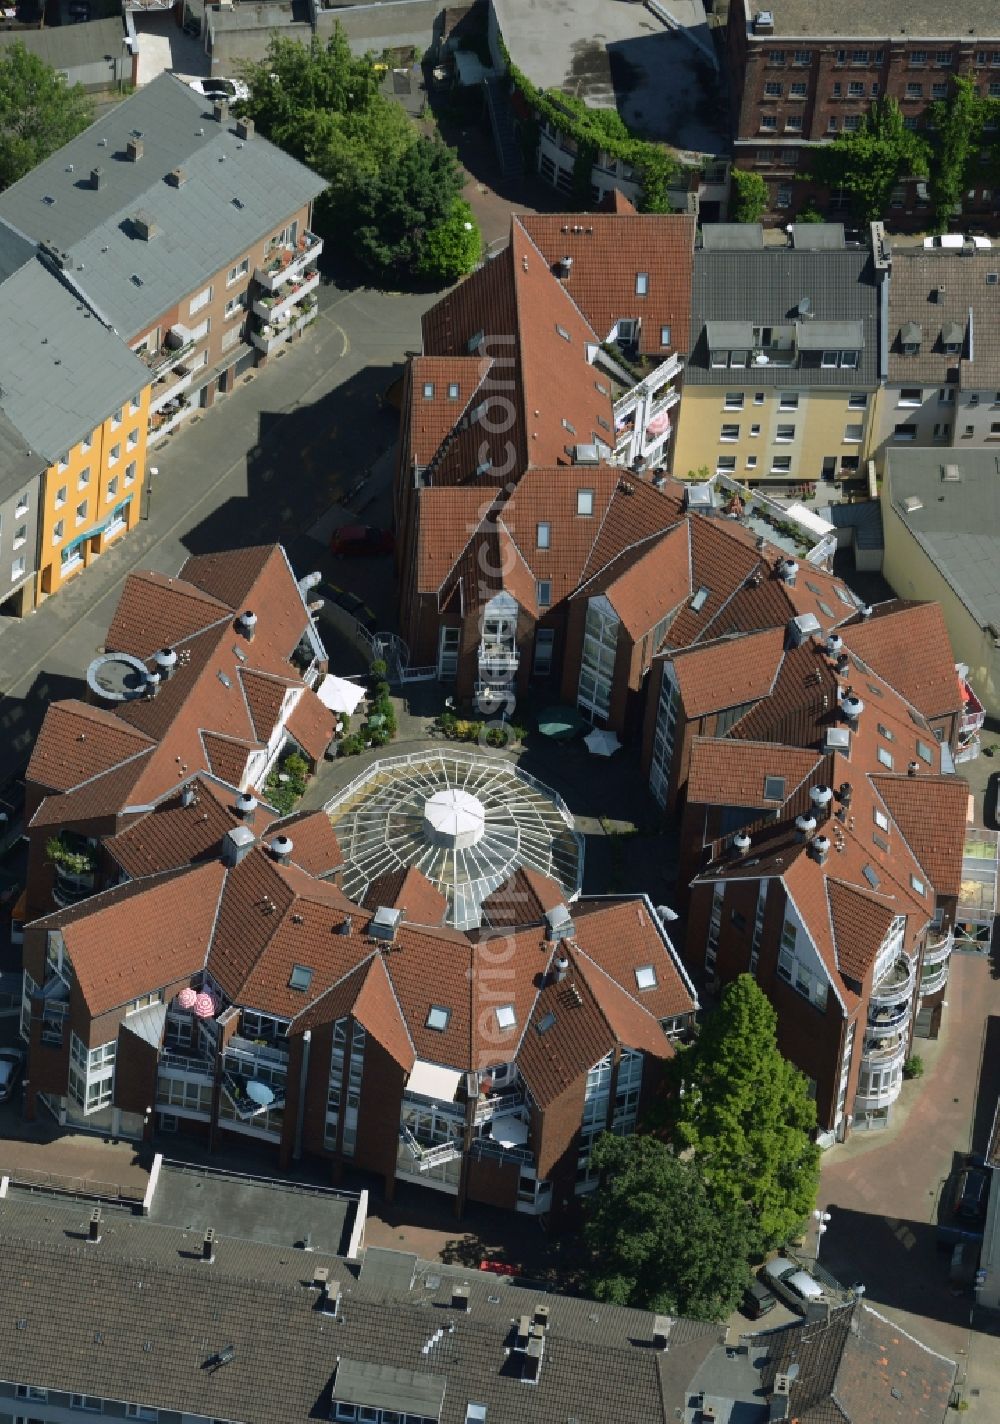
660, 424
509, 1131
602, 743
338, 694
809, 519
430, 1080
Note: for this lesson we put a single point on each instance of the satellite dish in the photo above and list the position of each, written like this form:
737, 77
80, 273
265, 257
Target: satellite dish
760, 359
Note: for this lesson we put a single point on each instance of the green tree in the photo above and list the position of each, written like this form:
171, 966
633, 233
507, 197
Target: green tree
957, 125
400, 206
658, 1239
869, 163
39, 112
451, 248
746, 1115
749, 196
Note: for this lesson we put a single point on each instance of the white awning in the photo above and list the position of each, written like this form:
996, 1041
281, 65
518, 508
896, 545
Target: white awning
809, 519
509, 1131
338, 694
430, 1080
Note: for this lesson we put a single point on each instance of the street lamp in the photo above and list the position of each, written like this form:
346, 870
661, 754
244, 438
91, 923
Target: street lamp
821, 1218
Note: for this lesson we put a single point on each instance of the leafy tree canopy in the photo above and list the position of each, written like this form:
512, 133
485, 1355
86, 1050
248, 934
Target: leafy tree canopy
746, 1115
956, 125
659, 1240
39, 112
399, 207
452, 247
749, 196
869, 163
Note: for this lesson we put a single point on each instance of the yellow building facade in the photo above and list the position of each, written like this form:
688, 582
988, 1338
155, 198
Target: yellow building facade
772, 434
91, 498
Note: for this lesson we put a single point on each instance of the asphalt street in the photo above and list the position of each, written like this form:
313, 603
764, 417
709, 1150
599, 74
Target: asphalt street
262, 464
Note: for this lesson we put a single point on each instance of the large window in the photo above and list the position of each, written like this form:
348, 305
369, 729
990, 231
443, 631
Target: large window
597, 666
663, 738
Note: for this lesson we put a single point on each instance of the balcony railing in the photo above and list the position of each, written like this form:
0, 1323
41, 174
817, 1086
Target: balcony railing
273, 308
246, 1048
172, 1062
888, 1023
70, 887
175, 411
934, 981
487, 1108
896, 987
498, 656
281, 267
938, 950
487, 1147
170, 384
883, 1055
867, 1101
270, 338
428, 1157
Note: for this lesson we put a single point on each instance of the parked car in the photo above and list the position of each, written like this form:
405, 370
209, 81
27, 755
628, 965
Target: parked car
356, 541
350, 603
757, 1300
945, 239
972, 1192
11, 1064
795, 1286
218, 88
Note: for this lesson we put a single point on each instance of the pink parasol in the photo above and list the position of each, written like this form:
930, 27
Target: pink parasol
186, 999
204, 1006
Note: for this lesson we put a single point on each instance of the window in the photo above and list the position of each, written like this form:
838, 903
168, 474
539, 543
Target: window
751, 462
939, 91
729, 433
831, 124
28, 1391
585, 502
885, 757
116, 419
768, 121
567, 426
914, 91
856, 89
886, 732
132, 439
802, 56
785, 434
81, 511
234, 306
17, 568
942, 431
774, 788
645, 977
641, 284
115, 454
141, 1411
776, 56
781, 465
543, 592
563, 332
58, 530
860, 56
543, 534
506, 1017
910, 395
112, 488
773, 90
428, 390
438, 1017
201, 300
240, 270
788, 400
944, 59
725, 465
755, 430
86, 444
130, 472
20, 536
946, 395
453, 390
798, 91
918, 885
83, 478
852, 434
86, 1401
734, 400
61, 496
758, 398
852, 122
664, 335
925, 753
918, 58
300, 978
544, 642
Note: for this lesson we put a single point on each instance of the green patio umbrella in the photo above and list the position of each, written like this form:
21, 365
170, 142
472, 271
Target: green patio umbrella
560, 723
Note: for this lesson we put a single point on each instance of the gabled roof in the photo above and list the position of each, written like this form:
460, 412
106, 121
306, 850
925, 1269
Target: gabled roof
410, 891
908, 645
609, 250
860, 923
733, 671
522, 899
433, 410
311, 723
647, 583
735, 773
77, 741
175, 834
930, 811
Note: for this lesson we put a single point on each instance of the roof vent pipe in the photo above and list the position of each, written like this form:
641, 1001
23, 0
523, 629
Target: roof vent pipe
821, 797
246, 805
834, 644
220, 111
913, 768
152, 684
804, 827
96, 177
237, 845
165, 661
565, 266
843, 665
845, 792
560, 967
852, 706
819, 849
246, 624
741, 843
281, 848
188, 797
788, 571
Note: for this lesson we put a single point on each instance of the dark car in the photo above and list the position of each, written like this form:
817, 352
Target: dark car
971, 1194
11, 1063
757, 1300
356, 541
350, 603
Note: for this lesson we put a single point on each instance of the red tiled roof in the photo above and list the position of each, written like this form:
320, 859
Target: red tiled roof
156, 611
930, 811
908, 645
311, 724
102, 796
265, 697
232, 576
729, 673
732, 773
433, 418
173, 835
410, 891
861, 922
647, 583
377, 1010
315, 847
522, 900
76, 742
227, 758
620, 939
609, 250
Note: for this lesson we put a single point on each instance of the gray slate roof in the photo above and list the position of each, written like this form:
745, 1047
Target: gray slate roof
934, 290
764, 288
18, 464
883, 19
958, 523
61, 370
138, 1317
235, 193
68, 46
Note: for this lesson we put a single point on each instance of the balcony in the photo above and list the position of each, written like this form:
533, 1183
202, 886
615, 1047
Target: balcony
272, 335
289, 263
70, 886
497, 1105
888, 1055
896, 987
174, 412
973, 714
425, 1157
170, 1063
245, 1050
888, 1023
938, 949
498, 657
271, 309
884, 1097
178, 344
174, 380
933, 982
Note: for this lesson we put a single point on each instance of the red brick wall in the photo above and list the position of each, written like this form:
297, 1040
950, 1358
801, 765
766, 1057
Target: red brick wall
135, 1073
493, 1182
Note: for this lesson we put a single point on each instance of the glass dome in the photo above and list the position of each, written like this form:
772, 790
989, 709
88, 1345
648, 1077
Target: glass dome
466, 821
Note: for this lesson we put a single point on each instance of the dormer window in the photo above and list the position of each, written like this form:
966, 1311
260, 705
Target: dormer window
910, 336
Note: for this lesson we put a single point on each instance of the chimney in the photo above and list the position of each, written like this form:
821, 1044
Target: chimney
661, 1331
852, 708
246, 805
805, 827
165, 661
244, 128
134, 149
912, 768
541, 1316
246, 624
208, 1246
819, 849
237, 845
531, 1360
788, 571
559, 923
329, 1301
94, 1227
188, 797
821, 798
320, 1277
281, 848
843, 665
560, 967
152, 684
144, 225
741, 843
460, 1298
565, 267
845, 793
345, 926
177, 177
384, 924
220, 111
834, 646
96, 177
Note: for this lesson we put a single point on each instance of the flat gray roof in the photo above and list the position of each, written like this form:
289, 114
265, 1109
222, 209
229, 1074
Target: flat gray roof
956, 522
378, 1386
882, 19
18, 464
732, 237
61, 370
66, 46
812, 237
234, 193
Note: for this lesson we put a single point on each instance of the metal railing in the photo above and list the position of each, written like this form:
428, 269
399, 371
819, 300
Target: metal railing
185, 1063
486, 1147
896, 986
938, 949
428, 1157
931, 983
496, 1106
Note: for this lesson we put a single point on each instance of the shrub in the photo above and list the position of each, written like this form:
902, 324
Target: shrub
379, 670
467, 731
351, 745
497, 736
913, 1067
446, 723
283, 794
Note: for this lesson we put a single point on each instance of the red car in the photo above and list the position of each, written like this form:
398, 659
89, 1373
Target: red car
356, 541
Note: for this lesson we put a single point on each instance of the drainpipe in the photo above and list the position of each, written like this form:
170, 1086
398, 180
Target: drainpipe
303, 1079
